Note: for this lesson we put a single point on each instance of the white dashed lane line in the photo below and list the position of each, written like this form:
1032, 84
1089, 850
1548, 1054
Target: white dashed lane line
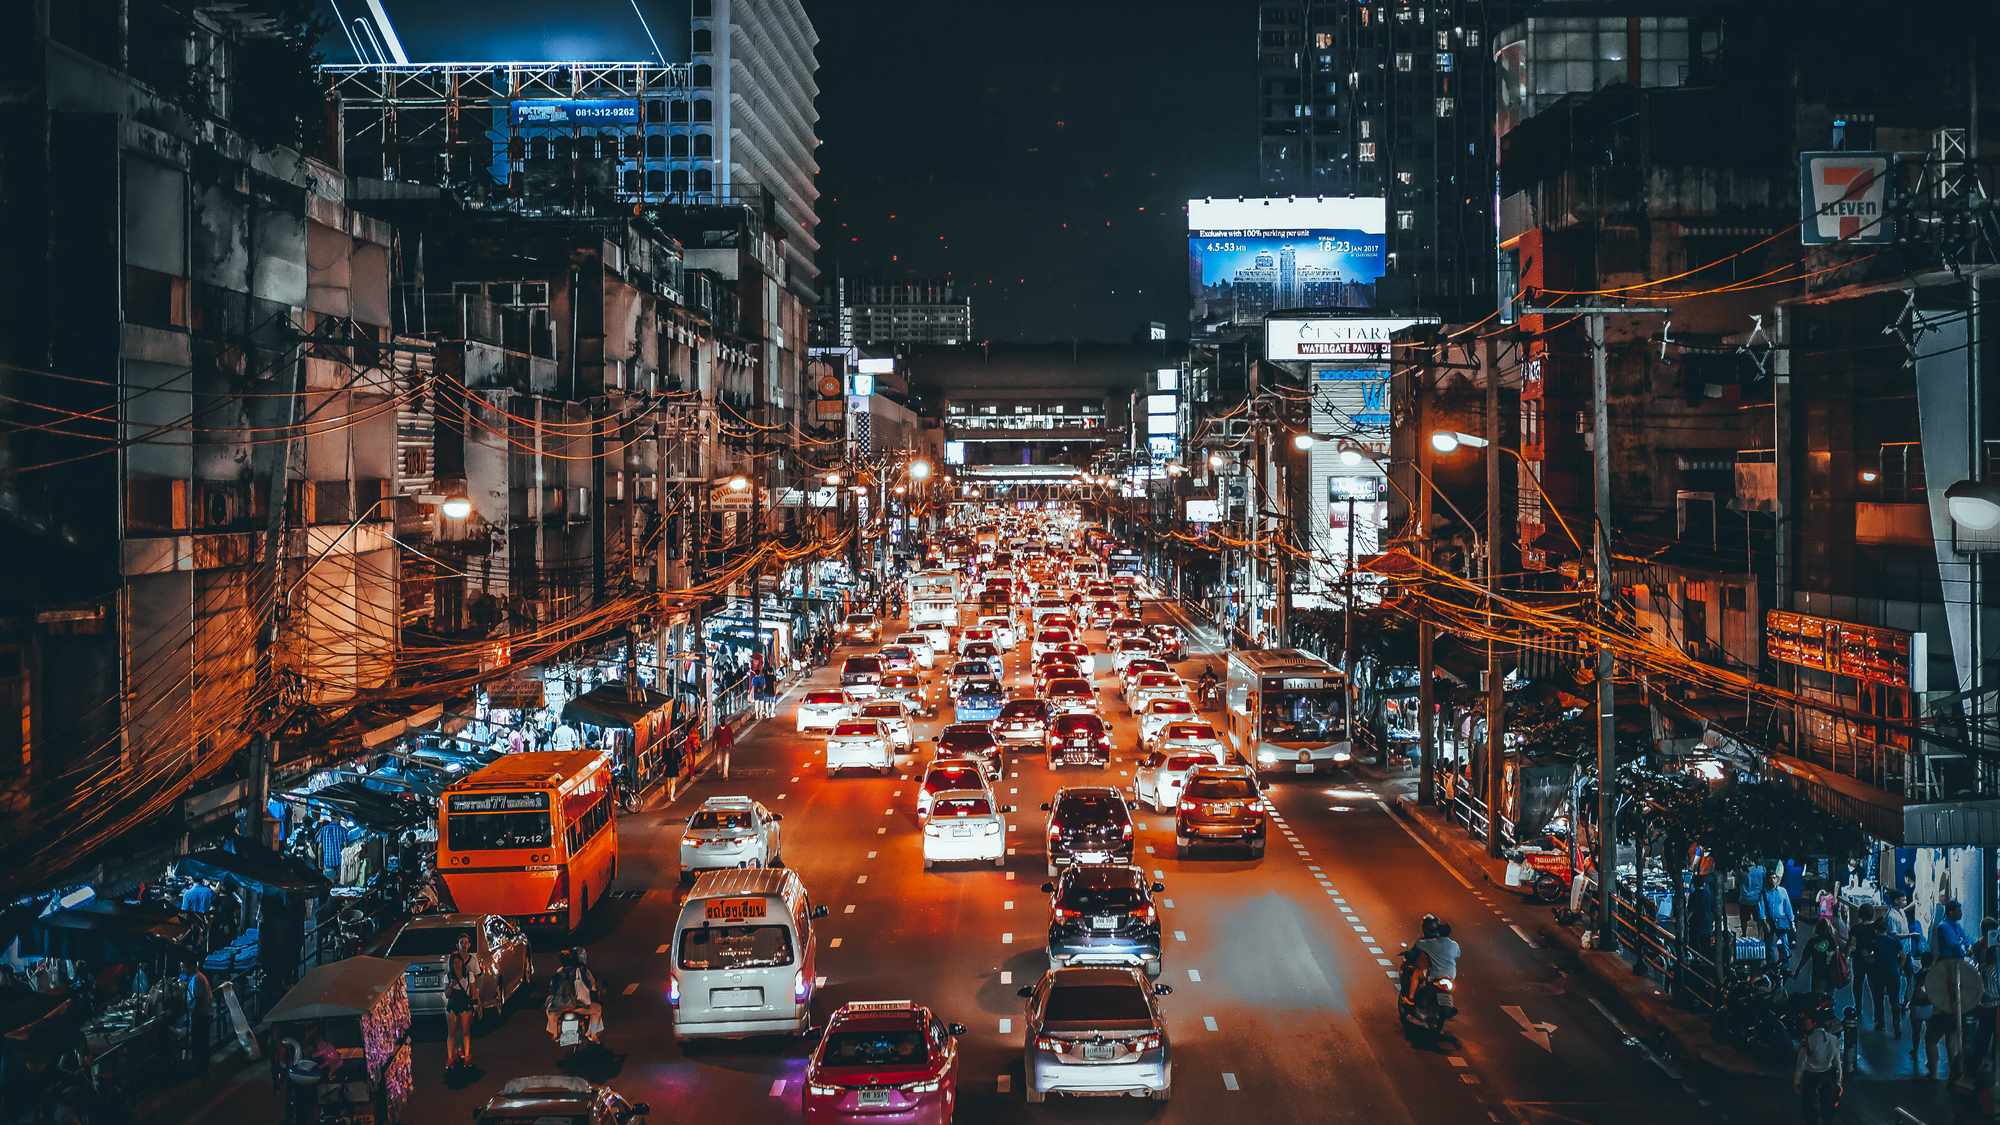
860, 879
1007, 939
834, 944
1007, 905
1194, 975
1208, 1022
1006, 1027
631, 988
1229, 1080
1006, 976
1180, 935
848, 909
778, 1088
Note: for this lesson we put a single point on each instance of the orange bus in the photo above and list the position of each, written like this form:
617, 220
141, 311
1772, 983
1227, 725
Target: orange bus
533, 836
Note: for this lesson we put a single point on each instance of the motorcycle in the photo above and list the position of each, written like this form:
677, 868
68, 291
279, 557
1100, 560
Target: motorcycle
570, 1038
1435, 1002
1543, 868
1756, 1010
1211, 694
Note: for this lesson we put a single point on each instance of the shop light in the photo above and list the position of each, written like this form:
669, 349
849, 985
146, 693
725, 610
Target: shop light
456, 507
739, 483
1303, 442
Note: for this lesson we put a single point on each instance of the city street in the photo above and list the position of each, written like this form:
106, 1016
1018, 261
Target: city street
1283, 1002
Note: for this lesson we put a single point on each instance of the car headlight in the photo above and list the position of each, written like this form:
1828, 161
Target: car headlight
1267, 757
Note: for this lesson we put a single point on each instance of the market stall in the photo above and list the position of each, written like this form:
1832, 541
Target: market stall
636, 724
40, 1048
116, 961
361, 1008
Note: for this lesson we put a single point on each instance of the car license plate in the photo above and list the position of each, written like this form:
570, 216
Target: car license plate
871, 1098
1104, 923
737, 997
961, 830
1099, 1050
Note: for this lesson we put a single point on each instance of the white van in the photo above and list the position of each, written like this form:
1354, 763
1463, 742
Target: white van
744, 956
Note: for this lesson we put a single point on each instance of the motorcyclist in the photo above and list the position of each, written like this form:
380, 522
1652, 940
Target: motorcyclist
1209, 684
1438, 953
573, 988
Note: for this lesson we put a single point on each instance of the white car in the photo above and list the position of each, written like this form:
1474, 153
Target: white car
920, 644
1049, 640
1158, 781
1003, 631
1044, 606
1200, 736
895, 718
938, 635
945, 775
1125, 650
1139, 666
1159, 714
965, 826
860, 744
823, 710
730, 832
977, 634
897, 658
1153, 685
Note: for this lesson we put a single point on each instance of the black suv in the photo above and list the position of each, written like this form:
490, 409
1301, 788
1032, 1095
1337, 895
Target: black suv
1088, 824
1103, 914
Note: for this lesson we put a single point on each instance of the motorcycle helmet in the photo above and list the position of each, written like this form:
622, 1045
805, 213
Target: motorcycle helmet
1431, 925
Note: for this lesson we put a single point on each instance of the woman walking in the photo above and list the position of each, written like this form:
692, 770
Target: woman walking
458, 993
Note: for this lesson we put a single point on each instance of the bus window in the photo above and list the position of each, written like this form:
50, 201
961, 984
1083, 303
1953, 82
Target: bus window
1302, 713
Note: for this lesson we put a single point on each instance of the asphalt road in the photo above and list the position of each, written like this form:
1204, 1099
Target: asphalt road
1284, 1001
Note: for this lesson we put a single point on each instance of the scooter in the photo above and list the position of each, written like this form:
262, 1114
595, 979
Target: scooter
1436, 1000
570, 1037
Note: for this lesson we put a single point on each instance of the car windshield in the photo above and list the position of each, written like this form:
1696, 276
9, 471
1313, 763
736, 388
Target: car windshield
735, 947
862, 619
857, 729
962, 806
720, 818
876, 1047
1224, 788
1184, 762
1085, 1003
969, 668
430, 941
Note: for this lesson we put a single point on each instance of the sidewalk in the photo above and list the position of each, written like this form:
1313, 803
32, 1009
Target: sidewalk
1887, 1086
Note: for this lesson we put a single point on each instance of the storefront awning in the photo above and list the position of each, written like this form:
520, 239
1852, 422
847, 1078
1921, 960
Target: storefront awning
372, 811
616, 705
105, 932
250, 864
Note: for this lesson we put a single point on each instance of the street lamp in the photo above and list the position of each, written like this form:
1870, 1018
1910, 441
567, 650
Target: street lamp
1974, 504
1215, 461
1448, 441
919, 469
456, 507
1303, 441
833, 479
739, 483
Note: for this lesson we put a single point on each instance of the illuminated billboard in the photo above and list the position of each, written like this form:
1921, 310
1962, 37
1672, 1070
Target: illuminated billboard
1250, 257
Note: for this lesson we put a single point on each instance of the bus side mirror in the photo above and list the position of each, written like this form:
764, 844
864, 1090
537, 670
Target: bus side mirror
1048, 888
819, 911
1045, 806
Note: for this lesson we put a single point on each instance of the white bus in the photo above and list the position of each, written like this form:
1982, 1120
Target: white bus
1287, 711
933, 599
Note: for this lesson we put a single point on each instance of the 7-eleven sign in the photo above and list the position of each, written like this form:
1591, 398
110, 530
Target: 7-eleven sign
1844, 198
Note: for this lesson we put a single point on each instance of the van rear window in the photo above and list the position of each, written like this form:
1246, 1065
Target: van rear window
735, 947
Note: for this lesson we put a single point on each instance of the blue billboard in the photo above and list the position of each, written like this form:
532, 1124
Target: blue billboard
567, 113
1250, 257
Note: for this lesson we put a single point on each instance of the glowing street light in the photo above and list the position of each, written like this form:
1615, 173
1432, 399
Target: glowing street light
1350, 456
456, 507
833, 479
739, 483
1448, 441
919, 469
1303, 442
1215, 461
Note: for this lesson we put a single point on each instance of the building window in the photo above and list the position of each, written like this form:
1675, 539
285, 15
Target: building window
704, 180
704, 41
656, 110
656, 145
702, 76
1444, 62
1367, 152
632, 180
1367, 128
679, 145
1326, 62
1406, 177
677, 110
704, 145
1444, 40
1406, 220
635, 145
656, 181
680, 181
703, 111
1323, 40
1445, 106
1902, 474
1405, 61
1472, 37
703, 9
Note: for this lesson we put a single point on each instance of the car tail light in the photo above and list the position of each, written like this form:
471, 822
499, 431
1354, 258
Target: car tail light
819, 1090
799, 987
1189, 806
1055, 830
1104, 740
927, 1086
1045, 1043
1147, 914
673, 991
1146, 1043
1064, 914
1127, 833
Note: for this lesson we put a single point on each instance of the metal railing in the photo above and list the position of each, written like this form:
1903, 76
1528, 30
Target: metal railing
1463, 808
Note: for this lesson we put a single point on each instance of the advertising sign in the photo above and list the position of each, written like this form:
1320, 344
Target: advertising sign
565, 112
1249, 257
1870, 653
1204, 511
881, 365
1844, 198
1352, 398
1330, 338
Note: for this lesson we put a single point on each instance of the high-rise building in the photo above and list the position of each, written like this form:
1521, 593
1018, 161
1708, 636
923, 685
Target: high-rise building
753, 81
904, 312
1392, 100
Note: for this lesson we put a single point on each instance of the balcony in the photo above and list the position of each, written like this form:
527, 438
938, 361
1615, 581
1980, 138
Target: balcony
1756, 480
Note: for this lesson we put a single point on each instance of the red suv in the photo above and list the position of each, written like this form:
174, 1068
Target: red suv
888, 1060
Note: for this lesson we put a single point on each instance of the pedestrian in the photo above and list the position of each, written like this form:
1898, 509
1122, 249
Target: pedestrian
1984, 1015
725, 743
1821, 959
1922, 1013
1817, 1076
197, 1019
515, 741
459, 987
1701, 915
1948, 938
1774, 913
1878, 968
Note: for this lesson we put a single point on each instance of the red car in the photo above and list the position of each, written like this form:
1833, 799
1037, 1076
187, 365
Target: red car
884, 1061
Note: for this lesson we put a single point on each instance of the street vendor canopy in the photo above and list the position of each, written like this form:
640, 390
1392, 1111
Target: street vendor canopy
616, 705
105, 931
373, 811
347, 989
247, 863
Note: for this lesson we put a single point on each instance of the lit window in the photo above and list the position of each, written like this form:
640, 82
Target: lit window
1406, 178
1323, 40
1472, 37
1405, 61
1444, 107
1406, 220
1367, 128
1444, 61
1444, 40
1367, 152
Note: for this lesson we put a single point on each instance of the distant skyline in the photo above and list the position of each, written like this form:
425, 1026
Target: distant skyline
1038, 153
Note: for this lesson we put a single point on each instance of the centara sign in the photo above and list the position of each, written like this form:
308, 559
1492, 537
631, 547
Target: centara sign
1844, 198
1330, 338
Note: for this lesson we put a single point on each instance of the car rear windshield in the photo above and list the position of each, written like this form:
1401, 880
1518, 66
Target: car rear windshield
860, 664
901, 679
1111, 891
1053, 636
1189, 731
1069, 687
898, 652
1083, 1003
824, 697
855, 728
1022, 709
1090, 807
431, 941
1171, 707
966, 740
720, 818
962, 806
882, 711
884, 1047
735, 947
861, 619
1227, 788
983, 687
1071, 724
953, 777
1157, 679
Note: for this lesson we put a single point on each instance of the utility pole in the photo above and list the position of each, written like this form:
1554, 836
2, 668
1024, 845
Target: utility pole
1277, 487
1496, 698
1347, 623
1607, 719
1426, 632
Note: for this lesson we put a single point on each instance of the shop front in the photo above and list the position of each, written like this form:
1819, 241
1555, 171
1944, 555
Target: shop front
645, 730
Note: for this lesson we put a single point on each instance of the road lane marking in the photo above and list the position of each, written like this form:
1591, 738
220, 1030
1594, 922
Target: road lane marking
1229, 1080
1412, 834
881, 831
1458, 1062
1010, 851
1006, 1027
1168, 903
1004, 1083
888, 812
1374, 949
861, 878
1006, 976
631, 988
1468, 1079
1394, 975
778, 1088
1013, 790
871, 855
661, 949
1149, 849
848, 909
795, 781
1007, 938
1383, 961
1010, 874
1158, 873
1180, 935
1312, 867
1007, 905
1523, 935
1208, 1022
897, 793
819, 982
834, 944
781, 796
1194, 975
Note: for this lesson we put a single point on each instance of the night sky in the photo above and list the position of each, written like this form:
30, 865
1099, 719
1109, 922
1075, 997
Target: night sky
1039, 152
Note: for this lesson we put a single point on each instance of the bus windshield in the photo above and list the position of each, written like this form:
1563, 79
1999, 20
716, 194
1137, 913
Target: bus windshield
1305, 714
485, 832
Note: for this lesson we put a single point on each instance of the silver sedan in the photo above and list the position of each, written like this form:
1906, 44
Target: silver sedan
1096, 1030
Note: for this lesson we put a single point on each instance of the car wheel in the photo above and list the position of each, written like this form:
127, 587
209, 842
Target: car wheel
1165, 1092
927, 864
1153, 967
1035, 1097
1052, 869
1180, 849
1257, 850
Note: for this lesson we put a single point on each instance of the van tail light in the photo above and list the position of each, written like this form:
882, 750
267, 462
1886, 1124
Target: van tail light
799, 986
673, 990
1127, 833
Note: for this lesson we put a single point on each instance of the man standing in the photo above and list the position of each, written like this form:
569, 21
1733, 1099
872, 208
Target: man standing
1774, 912
197, 1012
1817, 1076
